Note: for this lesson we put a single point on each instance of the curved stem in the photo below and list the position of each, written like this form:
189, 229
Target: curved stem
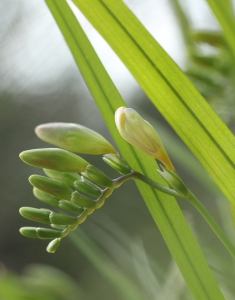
155, 185
196, 203
214, 226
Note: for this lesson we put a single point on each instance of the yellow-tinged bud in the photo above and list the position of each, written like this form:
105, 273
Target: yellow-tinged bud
74, 137
139, 133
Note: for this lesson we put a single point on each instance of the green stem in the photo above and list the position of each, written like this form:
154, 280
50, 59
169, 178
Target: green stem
155, 185
214, 226
197, 204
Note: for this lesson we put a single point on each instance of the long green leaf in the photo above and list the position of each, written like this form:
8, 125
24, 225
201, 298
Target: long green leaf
168, 88
164, 209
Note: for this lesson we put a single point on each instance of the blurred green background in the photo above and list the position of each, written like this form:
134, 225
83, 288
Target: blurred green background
118, 253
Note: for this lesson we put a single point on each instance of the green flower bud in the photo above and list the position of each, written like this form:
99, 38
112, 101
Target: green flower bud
45, 197
117, 163
82, 200
67, 205
174, 181
98, 176
54, 159
65, 177
59, 219
53, 245
140, 134
34, 214
74, 137
29, 232
87, 187
51, 186
45, 233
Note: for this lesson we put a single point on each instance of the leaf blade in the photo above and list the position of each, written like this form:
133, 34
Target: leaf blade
175, 97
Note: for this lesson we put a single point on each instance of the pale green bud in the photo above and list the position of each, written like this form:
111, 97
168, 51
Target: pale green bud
98, 176
65, 177
45, 197
59, 219
54, 159
29, 232
74, 137
51, 186
45, 233
117, 163
174, 181
87, 187
34, 214
53, 245
82, 200
140, 134
67, 205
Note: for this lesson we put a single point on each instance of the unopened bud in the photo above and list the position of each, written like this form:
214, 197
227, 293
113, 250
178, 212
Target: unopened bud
117, 163
45, 197
74, 137
87, 187
65, 177
98, 176
45, 233
34, 214
82, 200
54, 159
51, 186
29, 232
174, 181
53, 245
59, 219
139, 133
67, 205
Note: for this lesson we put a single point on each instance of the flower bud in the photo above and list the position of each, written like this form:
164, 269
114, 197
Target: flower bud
74, 137
174, 181
65, 177
94, 174
117, 163
29, 232
54, 159
59, 219
45, 233
67, 205
53, 245
45, 197
139, 133
51, 186
34, 214
82, 200
87, 187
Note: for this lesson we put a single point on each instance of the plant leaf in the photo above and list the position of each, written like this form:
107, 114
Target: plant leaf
168, 88
163, 208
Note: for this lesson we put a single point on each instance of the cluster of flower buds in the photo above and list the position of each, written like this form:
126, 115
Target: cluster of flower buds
71, 181
72, 184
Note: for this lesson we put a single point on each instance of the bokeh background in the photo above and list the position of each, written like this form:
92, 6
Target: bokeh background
118, 253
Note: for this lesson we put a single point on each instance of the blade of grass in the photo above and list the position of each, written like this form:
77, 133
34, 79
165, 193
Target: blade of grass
168, 88
164, 209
